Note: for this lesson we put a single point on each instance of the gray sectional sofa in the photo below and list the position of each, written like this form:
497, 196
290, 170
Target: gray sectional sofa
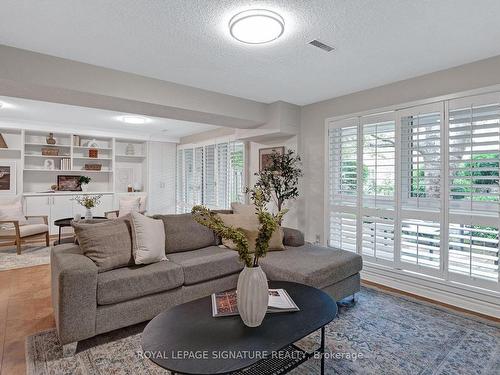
87, 303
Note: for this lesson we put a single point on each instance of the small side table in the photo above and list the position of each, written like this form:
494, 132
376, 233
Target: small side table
66, 222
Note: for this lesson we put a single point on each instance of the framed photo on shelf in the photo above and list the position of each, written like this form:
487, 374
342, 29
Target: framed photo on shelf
8, 177
265, 155
68, 183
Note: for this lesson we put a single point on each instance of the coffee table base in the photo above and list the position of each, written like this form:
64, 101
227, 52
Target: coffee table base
290, 357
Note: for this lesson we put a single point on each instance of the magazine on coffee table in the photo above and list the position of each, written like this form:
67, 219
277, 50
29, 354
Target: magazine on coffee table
225, 303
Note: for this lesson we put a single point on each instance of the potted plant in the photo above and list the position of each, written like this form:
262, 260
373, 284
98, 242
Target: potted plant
279, 180
89, 202
84, 181
252, 296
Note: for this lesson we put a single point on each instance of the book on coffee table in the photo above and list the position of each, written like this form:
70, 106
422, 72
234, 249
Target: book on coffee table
225, 303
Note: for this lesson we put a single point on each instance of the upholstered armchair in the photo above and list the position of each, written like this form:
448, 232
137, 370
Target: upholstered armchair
11, 230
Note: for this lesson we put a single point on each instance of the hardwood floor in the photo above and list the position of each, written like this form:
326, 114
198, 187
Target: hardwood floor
25, 308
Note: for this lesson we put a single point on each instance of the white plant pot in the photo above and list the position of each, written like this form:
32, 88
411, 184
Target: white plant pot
252, 296
88, 214
85, 187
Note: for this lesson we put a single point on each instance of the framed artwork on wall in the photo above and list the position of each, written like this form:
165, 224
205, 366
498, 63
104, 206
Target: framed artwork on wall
265, 155
68, 183
8, 177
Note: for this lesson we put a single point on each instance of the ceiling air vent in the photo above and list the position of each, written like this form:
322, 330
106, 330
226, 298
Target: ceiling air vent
323, 46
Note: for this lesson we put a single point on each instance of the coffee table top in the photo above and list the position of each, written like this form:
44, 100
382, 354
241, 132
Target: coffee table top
66, 222
189, 329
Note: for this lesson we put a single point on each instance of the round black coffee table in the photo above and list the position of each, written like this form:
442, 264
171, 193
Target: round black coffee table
66, 222
187, 339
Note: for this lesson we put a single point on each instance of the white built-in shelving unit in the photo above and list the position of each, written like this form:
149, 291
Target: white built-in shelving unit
34, 179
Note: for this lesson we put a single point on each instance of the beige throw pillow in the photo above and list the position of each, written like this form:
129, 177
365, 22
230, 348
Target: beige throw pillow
243, 209
127, 206
250, 224
149, 239
107, 243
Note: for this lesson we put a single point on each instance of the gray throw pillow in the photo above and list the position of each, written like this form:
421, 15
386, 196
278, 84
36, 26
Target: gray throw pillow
183, 233
108, 243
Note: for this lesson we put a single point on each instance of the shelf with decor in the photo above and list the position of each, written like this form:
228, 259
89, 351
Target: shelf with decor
130, 165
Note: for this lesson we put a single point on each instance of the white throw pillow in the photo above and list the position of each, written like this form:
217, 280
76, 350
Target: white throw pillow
12, 211
128, 206
149, 238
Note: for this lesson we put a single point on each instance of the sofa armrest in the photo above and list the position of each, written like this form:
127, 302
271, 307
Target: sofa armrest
292, 237
74, 290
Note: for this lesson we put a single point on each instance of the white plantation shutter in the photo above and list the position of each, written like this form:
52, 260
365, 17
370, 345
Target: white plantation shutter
421, 188
474, 194
237, 171
209, 191
379, 162
343, 175
421, 160
198, 175
343, 191
421, 243
473, 251
189, 179
378, 237
343, 231
474, 158
223, 175
212, 175
180, 182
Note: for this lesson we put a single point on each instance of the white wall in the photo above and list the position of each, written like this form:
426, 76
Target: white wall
476, 75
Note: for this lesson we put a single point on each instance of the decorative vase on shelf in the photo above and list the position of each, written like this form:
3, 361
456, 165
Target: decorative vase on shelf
84, 187
252, 296
88, 214
50, 139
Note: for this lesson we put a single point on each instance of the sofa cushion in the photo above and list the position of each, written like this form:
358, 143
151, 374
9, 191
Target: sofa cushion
292, 237
107, 243
311, 265
127, 283
206, 264
183, 233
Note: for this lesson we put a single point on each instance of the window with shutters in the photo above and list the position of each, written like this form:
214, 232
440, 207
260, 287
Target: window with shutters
418, 189
211, 174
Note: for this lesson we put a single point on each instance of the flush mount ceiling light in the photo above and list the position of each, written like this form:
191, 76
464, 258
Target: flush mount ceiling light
256, 26
135, 120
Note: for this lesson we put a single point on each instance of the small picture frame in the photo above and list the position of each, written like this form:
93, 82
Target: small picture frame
8, 177
265, 155
49, 164
68, 183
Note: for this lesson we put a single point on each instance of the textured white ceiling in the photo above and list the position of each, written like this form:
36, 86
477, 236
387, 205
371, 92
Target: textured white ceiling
63, 117
187, 41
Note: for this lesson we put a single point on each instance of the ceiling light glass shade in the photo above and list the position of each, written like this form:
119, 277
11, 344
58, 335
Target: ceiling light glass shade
256, 26
136, 120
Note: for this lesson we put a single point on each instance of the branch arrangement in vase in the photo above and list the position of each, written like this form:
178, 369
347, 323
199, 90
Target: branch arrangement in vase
268, 224
279, 180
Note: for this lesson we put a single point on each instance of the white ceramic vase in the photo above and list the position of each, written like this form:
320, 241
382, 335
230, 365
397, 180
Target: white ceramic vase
84, 187
88, 214
252, 296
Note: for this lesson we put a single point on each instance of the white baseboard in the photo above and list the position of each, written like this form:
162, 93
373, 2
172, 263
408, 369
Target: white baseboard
440, 292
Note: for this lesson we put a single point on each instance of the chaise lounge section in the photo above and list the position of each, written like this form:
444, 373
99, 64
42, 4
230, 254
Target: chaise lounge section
87, 303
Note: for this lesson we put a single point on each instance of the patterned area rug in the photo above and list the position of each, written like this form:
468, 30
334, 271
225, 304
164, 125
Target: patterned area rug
381, 334
31, 255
